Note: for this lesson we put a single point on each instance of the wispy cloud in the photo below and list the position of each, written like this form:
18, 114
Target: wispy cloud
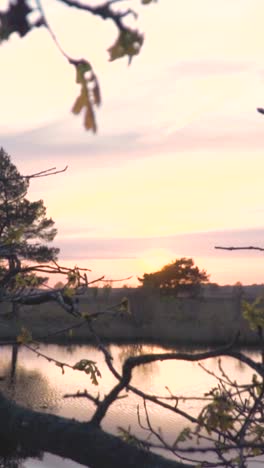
55, 139
189, 244
218, 133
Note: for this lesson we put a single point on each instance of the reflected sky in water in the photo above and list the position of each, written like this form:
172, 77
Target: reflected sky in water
40, 384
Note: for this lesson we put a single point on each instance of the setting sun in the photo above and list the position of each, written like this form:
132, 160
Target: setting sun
155, 259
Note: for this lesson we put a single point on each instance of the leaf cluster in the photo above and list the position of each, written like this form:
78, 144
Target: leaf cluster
89, 96
218, 414
254, 312
129, 42
17, 18
131, 439
184, 435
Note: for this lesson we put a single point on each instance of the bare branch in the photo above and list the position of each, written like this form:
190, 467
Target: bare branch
46, 173
132, 362
104, 11
84, 394
251, 247
115, 280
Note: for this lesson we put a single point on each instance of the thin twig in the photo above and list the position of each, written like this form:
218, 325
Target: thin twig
250, 247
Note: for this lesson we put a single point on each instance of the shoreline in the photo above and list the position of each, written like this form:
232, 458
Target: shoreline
150, 319
180, 345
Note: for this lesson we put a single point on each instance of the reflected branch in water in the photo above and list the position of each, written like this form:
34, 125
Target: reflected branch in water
13, 364
134, 350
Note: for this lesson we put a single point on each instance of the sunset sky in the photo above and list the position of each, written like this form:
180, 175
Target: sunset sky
177, 164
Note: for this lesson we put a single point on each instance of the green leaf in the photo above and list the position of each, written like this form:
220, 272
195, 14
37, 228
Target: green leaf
131, 439
129, 42
84, 66
256, 451
124, 306
25, 336
90, 368
69, 292
254, 312
87, 316
184, 435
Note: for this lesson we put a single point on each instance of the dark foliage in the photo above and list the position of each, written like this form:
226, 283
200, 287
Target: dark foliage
179, 277
23, 225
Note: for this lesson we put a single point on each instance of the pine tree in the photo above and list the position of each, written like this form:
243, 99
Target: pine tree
24, 228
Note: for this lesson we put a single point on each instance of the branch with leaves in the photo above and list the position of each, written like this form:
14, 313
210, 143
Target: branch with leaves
231, 419
17, 19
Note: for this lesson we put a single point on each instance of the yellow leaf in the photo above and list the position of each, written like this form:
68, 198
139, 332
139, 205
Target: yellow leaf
89, 121
89, 96
79, 104
69, 292
85, 315
116, 51
97, 94
25, 336
79, 75
124, 306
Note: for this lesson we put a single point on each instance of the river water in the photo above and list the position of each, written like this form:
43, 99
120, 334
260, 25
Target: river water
41, 385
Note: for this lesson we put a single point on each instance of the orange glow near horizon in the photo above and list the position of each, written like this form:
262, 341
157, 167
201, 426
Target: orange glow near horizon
226, 270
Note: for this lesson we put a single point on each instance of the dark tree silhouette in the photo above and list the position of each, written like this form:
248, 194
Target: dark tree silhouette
23, 227
179, 276
25, 255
